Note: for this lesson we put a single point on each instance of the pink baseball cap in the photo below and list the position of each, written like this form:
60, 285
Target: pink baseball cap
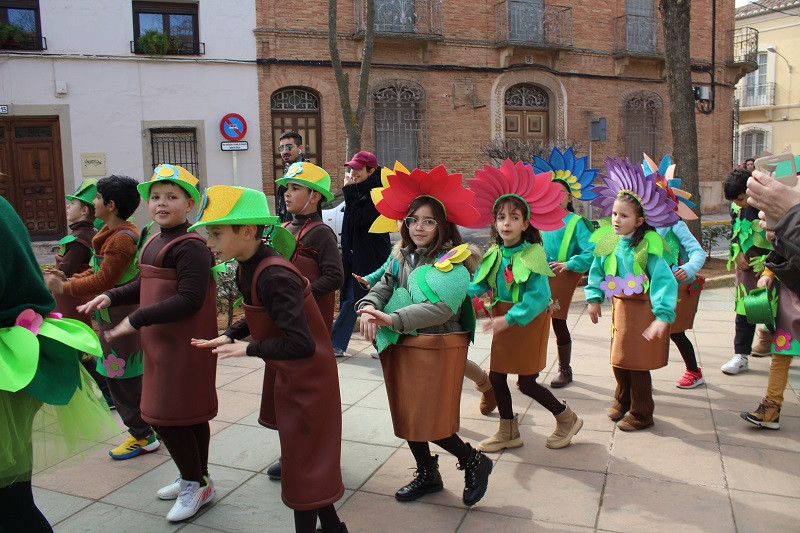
363, 159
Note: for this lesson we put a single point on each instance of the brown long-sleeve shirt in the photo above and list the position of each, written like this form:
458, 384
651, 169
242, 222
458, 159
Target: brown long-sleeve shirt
192, 261
281, 293
78, 252
117, 249
320, 243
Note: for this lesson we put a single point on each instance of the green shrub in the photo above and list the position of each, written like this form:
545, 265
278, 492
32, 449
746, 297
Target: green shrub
11, 35
157, 43
227, 292
711, 235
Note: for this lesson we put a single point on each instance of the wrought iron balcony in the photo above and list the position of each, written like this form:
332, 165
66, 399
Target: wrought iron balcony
421, 19
755, 95
636, 35
175, 49
743, 46
26, 43
533, 23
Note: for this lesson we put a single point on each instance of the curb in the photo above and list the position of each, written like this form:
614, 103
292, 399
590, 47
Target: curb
726, 280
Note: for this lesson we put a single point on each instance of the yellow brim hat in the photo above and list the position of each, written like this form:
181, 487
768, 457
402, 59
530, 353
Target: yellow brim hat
237, 206
308, 175
171, 174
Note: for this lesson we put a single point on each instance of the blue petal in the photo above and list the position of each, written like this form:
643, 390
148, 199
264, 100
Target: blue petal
541, 165
647, 168
556, 159
569, 161
579, 166
666, 161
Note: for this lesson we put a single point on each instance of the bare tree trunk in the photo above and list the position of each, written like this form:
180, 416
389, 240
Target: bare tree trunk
353, 119
676, 15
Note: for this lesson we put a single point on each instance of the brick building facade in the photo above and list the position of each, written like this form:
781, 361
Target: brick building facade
448, 76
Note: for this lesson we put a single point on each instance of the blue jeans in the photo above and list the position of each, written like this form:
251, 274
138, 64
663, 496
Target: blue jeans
351, 292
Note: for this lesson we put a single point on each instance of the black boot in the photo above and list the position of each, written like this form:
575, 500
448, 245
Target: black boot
564, 376
427, 479
274, 471
476, 476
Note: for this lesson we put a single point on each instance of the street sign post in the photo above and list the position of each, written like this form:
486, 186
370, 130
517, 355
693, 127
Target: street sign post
233, 127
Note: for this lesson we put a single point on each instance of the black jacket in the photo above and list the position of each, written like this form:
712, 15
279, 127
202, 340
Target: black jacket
280, 201
784, 260
362, 252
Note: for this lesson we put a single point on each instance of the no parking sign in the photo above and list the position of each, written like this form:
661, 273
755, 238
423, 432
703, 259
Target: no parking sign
233, 127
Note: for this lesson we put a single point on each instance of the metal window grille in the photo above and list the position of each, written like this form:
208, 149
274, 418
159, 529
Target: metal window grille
643, 125
294, 100
176, 146
526, 95
398, 116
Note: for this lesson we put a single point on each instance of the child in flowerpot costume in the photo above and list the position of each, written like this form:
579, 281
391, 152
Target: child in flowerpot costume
39, 369
569, 249
302, 401
630, 270
423, 322
748, 251
686, 257
519, 204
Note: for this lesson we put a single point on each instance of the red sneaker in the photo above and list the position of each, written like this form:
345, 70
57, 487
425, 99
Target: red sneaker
691, 379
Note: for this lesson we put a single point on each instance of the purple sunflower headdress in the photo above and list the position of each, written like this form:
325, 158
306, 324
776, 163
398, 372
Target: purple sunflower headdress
570, 170
666, 179
624, 177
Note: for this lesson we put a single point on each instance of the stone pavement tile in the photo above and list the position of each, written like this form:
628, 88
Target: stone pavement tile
731, 429
251, 419
589, 450
645, 455
471, 401
371, 426
360, 368
353, 390
244, 447
666, 393
251, 382
743, 398
515, 489
764, 512
216, 426
140, 494
633, 504
478, 521
474, 430
243, 362
594, 388
479, 355
683, 422
227, 373
592, 412
761, 470
102, 518
756, 376
376, 398
56, 506
590, 365
94, 474
360, 461
234, 405
366, 512
194, 528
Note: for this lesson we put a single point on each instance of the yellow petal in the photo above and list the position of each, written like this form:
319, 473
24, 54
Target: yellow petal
384, 225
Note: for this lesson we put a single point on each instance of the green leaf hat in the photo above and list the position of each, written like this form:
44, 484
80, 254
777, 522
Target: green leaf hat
86, 191
237, 206
174, 174
308, 175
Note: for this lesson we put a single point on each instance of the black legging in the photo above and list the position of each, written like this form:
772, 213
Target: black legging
562, 332
452, 444
306, 521
529, 387
687, 350
188, 446
18, 511
743, 338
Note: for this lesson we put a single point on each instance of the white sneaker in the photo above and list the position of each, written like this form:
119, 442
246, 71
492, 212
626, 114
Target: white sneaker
737, 363
374, 354
190, 500
171, 491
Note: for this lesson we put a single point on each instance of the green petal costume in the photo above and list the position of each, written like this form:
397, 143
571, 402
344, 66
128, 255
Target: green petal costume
40, 364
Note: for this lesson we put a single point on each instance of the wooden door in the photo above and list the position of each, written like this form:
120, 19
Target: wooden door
307, 125
34, 180
526, 125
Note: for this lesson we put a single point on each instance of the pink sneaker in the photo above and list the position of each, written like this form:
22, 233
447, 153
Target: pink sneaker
691, 379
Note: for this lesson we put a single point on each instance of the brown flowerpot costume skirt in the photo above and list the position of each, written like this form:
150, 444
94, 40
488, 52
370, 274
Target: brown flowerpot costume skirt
562, 287
686, 309
520, 350
629, 349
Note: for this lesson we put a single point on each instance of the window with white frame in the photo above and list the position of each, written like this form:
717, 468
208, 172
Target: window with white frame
754, 141
757, 91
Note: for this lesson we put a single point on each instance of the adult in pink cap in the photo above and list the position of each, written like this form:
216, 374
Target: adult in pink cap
362, 252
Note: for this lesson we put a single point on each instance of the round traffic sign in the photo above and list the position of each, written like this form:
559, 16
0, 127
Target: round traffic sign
233, 127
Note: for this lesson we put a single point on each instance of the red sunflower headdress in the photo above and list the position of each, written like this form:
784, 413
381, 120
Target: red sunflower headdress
541, 195
403, 188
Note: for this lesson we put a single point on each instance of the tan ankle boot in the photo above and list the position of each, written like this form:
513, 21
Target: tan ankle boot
488, 401
506, 437
567, 425
763, 344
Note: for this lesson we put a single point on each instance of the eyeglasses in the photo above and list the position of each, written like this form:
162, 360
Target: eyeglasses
285, 147
428, 224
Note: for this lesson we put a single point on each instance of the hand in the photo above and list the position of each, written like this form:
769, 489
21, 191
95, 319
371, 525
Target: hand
364, 283
236, 349
54, 283
213, 343
771, 196
741, 262
558, 267
120, 330
496, 325
680, 275
763, 223
594, 312
657, 328
348, 179
99, 302
371, 323
764, 281
56, 272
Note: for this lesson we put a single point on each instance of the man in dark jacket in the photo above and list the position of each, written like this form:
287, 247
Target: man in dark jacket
290, 146
362, 252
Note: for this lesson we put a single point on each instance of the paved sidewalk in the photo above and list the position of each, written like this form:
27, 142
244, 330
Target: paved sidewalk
700, 468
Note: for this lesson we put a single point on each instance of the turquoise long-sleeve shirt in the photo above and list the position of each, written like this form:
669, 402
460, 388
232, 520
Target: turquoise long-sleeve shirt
580, 250
376, 276
691, 254
663, 285
534, 294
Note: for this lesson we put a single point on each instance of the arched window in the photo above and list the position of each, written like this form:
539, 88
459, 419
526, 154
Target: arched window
296, 109
526, 113
643, 125
398, 116
294, 100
